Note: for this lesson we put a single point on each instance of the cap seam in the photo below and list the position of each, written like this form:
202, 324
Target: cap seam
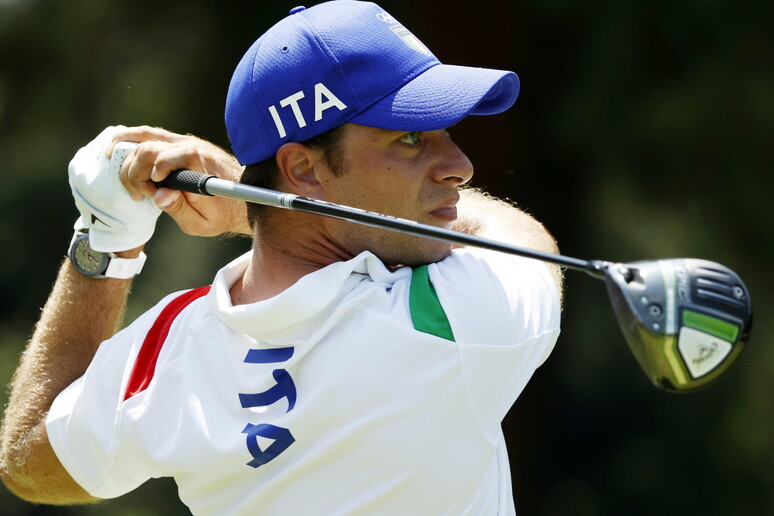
326, 47
253, 78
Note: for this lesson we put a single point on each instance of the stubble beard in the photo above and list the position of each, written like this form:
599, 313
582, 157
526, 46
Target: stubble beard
397, 249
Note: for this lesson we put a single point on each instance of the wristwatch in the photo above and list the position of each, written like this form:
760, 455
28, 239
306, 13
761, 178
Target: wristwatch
98, 264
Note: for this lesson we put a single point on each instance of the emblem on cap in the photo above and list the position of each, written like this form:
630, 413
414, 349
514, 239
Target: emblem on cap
410, 40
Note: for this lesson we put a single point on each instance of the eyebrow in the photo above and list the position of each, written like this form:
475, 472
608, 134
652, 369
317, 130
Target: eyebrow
385, 131
389, 131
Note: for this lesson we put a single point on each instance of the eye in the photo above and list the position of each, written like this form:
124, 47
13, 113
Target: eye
412, 139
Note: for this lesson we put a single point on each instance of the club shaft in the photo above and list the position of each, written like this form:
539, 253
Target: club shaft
189, 181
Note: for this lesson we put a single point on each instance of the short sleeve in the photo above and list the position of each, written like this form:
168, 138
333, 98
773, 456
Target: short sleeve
84, 420
505, 313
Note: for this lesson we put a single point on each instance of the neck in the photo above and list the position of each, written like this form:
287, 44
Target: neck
281, 258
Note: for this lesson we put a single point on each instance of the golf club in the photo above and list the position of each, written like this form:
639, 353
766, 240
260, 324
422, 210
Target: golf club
686, 320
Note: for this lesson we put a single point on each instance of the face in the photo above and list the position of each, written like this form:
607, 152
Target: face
412, 175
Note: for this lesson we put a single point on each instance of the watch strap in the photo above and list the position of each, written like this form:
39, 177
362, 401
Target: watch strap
124, 268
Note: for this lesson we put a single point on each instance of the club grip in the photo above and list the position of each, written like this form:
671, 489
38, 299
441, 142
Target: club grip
186, 181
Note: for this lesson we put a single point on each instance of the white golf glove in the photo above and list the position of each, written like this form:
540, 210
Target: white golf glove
115, 221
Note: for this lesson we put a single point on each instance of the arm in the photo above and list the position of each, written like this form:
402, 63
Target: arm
79, 314
486, 216
82, 312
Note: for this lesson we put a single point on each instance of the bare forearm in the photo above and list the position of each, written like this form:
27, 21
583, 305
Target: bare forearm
489, 217
79, 314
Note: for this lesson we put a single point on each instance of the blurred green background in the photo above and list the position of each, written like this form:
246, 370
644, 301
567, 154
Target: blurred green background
643, 130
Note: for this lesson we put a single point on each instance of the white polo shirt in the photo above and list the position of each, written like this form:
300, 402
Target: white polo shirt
351, 393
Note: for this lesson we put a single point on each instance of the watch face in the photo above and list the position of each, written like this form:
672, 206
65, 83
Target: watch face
87, 260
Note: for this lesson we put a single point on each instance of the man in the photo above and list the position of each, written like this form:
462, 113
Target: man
335, 369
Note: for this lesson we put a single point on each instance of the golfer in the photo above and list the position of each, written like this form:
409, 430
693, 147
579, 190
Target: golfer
335, 369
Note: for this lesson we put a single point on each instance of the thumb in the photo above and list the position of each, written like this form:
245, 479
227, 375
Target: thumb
169, 200
175, 204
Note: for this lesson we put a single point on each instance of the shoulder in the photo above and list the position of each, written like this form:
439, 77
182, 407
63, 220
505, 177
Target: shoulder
470, 267
493, 295
168, 312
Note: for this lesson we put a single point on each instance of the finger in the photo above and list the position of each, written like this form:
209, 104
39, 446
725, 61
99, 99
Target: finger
143, 133
177, 157
166, 199
123, 175
176, 204
136, 174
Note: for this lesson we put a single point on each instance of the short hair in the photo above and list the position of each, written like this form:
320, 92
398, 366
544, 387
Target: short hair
266, 173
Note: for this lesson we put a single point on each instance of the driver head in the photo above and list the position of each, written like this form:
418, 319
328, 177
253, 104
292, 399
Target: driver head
686, 320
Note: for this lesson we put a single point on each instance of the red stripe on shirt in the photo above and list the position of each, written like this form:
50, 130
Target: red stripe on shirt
145, 365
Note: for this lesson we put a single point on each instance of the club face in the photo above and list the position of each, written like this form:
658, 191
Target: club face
686, 320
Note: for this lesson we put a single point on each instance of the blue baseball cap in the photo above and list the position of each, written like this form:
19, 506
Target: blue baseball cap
349, 61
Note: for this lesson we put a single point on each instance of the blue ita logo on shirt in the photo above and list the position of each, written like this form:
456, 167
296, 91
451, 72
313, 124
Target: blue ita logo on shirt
284, 388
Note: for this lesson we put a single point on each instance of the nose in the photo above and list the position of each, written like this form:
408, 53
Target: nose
452, 165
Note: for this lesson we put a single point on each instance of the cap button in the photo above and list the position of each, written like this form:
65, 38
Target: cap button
297, 9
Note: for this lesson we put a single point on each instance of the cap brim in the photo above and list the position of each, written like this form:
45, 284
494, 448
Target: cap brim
441, 96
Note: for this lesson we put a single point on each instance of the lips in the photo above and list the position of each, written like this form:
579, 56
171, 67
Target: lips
446, 211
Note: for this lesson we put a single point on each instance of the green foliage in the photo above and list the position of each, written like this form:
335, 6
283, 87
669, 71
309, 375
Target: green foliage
642, 131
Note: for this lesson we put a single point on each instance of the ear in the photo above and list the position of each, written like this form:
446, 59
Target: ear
297, 164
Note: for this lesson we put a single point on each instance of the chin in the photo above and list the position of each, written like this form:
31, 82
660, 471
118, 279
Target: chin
418, 255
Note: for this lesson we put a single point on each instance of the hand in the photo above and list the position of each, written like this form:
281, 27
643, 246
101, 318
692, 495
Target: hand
115, 221
161, 152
